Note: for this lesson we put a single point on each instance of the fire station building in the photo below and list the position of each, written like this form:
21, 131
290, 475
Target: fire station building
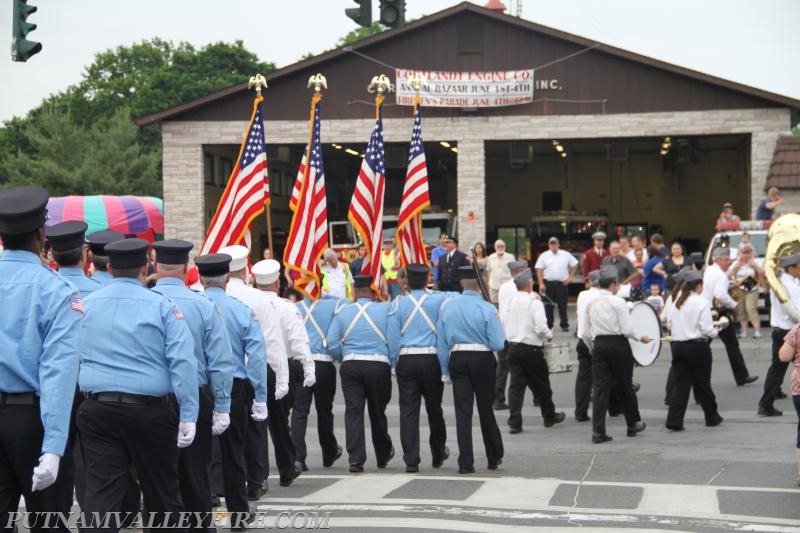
596, 130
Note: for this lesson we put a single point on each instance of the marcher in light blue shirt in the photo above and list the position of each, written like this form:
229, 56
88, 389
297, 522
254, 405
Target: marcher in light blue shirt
67, 242
97, 243
357, 336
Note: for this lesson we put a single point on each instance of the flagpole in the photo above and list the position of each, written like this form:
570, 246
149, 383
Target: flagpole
258, 81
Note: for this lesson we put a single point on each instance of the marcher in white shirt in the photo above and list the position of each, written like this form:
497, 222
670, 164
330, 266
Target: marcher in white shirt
715, 289
497, 268
554, 270
583, 381
692, 331
781, 321
666, 320
504, 295
608, 329
526, 330
294, 338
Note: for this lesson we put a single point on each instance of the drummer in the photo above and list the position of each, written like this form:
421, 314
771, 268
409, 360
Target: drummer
692, 331
608, 328
583, 381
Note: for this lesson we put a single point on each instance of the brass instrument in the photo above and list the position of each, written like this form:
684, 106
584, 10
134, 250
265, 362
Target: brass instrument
783, 240
738, 289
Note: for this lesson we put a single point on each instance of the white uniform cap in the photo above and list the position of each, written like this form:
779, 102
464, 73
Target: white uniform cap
266, 271
238, 255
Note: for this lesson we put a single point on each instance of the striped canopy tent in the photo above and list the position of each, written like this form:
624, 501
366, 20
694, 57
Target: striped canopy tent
142, 216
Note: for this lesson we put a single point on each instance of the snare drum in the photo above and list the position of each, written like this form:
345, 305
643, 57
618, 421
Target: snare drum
557, 357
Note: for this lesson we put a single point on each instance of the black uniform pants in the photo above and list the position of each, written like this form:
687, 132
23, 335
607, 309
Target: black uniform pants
583, 381
691, 361
612, 361
279, 431
528, 368
370, 382
558, 292
193, 467
501, 376
21, 436
471, 374
420, 376
113, 436
776, 372
738, 366
322, 393
256, 449
232, 445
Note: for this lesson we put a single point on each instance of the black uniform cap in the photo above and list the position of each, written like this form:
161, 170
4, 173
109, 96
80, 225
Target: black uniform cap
67, 235
212, 265
99, 239
22, 209
362, 282
466, 272
127, 253
172, 251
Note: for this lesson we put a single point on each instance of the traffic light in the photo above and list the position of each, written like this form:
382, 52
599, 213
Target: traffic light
21, 48
362, 14
393, 13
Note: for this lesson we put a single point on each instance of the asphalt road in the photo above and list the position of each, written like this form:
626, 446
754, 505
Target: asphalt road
735, 477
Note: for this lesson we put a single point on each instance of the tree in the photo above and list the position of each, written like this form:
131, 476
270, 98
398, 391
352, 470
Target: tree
360, 33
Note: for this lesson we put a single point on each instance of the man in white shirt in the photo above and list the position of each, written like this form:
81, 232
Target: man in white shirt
336, 279
608, 328
637, 243
715, 289
583, 381
256, 447
526, 330
781, 320
554, 271
497, 268
294, 337
504, 295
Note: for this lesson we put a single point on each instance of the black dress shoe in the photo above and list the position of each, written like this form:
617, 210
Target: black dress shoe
240, 521
771, 411
493, 466
714, 421
514, 430
781, 395
582, 418
633, 430
555, 419
500, 406
255, 495
215, 501
466, 470
412, 469
382, 464
329, 463
445, 456
289, 478
301, 466
355, 468
673, 428
635, 387
748, 379
564, 328
599, 438
613, 413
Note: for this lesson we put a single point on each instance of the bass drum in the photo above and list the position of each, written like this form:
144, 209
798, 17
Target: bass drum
645, 322
557, 357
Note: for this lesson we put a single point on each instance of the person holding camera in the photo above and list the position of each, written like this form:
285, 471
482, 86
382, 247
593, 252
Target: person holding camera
748, 277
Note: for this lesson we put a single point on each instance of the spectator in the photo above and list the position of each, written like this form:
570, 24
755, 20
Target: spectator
625, 247
766, 209
637, 243
436, 255
593, 258
357, 264
655, 299
638, 263
657, 240
625, 268
654, 273
336, 279
676, 261
727, 215
554, 271
745, 267
790, 352
497, 268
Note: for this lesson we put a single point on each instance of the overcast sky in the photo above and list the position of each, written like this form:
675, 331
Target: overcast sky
752, 42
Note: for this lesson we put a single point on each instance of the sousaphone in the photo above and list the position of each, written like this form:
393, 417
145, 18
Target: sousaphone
783, 240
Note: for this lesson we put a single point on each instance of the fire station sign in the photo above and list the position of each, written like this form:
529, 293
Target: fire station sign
467, 89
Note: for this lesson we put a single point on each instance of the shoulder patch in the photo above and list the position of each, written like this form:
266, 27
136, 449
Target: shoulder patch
76, 303
177, 312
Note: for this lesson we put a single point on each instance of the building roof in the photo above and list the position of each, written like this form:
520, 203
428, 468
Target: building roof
784, 171
466, 7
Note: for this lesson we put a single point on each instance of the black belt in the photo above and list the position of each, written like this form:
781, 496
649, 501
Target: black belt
18, 398
130, 399
620, 336
523, 345
703, 341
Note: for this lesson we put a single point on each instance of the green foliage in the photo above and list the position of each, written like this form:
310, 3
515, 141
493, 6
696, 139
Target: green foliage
360, 33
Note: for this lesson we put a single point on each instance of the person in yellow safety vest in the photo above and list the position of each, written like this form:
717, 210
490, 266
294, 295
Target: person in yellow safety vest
336, 278
390, 261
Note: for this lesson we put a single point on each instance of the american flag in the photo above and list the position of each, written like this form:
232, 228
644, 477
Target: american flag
366, 207
247, 191
308, 236
416, 197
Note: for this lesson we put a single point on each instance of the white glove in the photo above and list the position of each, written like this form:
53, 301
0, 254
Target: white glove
446, 379
310, 380
394, 373
186, 433
220, 422
46, 473
281, 390
260, 412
